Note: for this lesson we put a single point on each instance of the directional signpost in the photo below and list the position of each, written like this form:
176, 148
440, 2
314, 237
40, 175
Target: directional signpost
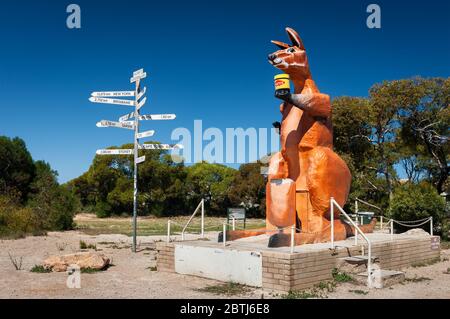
146, 134
114, 152
111, 101
113, 94
110, 97
105, 123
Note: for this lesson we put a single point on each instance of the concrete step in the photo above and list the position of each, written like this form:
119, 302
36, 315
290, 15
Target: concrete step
381, 278
358, 260
354, 264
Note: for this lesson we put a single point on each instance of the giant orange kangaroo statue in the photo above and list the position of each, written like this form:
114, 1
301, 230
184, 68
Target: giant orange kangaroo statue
306, 173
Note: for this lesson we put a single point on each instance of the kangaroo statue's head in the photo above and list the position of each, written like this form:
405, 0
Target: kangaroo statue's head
291, 59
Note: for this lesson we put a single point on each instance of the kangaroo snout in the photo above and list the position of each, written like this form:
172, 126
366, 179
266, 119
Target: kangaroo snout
272, 57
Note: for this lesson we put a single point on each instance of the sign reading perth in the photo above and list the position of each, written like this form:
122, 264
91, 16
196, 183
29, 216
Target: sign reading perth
108, 97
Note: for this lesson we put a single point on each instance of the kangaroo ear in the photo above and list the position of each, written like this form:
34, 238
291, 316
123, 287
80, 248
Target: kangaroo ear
295, 38
281, 45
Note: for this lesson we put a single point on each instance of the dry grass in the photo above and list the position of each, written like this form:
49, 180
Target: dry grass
227, 289
147, 226
16, 261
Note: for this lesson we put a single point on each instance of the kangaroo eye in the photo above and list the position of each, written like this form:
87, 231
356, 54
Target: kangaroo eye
291, 50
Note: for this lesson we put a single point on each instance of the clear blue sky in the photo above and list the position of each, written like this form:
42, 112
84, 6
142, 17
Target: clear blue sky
205, 59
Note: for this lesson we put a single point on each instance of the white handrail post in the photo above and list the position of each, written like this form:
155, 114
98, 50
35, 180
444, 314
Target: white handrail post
234, 223
332, 221
357, 229
356, 237
224, 234
292, 238
168, 231
369, 265
431, 225
392, 229
203, 218
381, 221
362, 220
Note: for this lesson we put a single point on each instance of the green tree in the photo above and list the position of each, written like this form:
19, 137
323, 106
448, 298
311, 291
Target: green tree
53, 204
248, 189
417, 201
17, 169
211, 182
425, 123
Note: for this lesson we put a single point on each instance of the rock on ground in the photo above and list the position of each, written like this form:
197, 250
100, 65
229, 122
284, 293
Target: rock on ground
83, 260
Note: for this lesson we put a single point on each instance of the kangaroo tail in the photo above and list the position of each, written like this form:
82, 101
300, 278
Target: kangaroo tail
364, 228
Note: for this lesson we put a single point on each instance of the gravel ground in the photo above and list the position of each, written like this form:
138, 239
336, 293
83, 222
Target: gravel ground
131, 276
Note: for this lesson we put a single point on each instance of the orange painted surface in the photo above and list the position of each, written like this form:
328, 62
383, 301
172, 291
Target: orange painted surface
306, 157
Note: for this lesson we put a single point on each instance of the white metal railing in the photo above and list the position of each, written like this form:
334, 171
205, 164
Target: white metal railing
202, 206
370, 205
333, 203
413, 223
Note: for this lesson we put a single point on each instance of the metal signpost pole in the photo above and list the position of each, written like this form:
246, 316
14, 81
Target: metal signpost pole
136, 155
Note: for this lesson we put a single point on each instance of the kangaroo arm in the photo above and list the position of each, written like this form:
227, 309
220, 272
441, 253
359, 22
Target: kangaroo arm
315, 104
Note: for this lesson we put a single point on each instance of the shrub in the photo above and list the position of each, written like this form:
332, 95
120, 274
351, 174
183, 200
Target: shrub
339, 276
40, 269
417, 201
84, 245
15, 220
102, 210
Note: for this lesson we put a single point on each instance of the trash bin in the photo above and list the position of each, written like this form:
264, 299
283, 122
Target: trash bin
365, 217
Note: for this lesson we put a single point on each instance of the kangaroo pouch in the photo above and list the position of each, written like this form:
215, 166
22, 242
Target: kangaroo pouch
282, 202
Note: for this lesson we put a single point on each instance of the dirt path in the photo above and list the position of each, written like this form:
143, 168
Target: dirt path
131, 276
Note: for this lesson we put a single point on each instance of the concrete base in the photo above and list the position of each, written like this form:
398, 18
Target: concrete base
381, 278
249, 261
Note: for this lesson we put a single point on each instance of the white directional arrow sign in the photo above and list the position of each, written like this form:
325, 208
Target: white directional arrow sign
158, 117
159, 146
112, 93
140, 159
141, 103
138, 77
115, 152
145, 134
111, 101
140, 94
126, 117
105, 123
138, 72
